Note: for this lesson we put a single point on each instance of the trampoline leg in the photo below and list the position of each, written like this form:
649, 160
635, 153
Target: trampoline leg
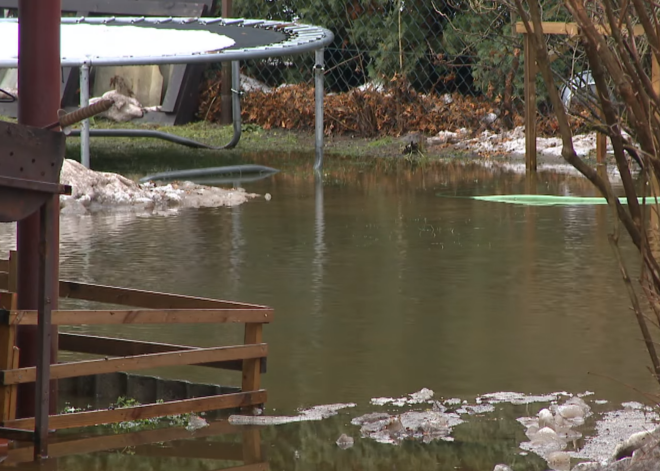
84, 101
235, 104
319, 68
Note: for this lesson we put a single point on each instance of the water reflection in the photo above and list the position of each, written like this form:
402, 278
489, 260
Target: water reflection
221, 445
381, 288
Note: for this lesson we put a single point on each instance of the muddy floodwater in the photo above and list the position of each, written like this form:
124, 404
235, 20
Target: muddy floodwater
385, 282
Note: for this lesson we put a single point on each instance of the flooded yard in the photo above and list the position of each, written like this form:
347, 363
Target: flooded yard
385, 281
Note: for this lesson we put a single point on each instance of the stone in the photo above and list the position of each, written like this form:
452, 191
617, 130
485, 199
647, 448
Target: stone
546, 419
559, 461
634, 442
587, 466
344, 441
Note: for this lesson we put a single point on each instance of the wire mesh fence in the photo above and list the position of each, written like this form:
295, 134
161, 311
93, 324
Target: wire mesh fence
437, 46
466, 48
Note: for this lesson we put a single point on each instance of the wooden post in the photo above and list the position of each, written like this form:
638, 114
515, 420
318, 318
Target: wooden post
225, 86
530, 105
252, 368
8, 348
655, 186
252, 446
45, 289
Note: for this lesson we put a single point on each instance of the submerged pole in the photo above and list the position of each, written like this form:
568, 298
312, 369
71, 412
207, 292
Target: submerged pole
319, 69
84, 101
39, 78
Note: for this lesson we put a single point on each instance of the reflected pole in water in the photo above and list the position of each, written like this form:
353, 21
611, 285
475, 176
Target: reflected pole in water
237, 243
319, 244
319, 70
601, 211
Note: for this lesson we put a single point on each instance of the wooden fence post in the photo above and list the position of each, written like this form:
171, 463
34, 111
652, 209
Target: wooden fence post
252, 446
252, 368
8, 348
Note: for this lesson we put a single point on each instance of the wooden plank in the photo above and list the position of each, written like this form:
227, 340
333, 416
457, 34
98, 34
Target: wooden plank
12, 281
251, 368
570, 29
530, 105
145, 299
186, 103
17, 434
13, 287
129, 7
94, 444
551, 27
47, 296
172, 316
200, 404
137, 362
173, 87
69, 87
13, 390
113, 347
4, 264
8, 359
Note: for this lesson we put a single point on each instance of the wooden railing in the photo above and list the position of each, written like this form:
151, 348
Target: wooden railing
129, 355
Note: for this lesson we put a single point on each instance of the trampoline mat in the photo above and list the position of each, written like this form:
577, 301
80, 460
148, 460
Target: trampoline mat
243, 36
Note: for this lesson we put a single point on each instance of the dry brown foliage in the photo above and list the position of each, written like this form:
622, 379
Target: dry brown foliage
397, 111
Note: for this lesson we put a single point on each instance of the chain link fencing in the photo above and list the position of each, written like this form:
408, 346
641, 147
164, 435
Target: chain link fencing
421, 51
437, 46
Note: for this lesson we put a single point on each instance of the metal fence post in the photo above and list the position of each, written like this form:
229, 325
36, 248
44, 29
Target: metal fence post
84, 101
225, 87
39, 78
319, 69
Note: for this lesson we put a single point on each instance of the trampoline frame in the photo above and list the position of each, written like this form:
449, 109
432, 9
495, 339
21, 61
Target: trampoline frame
299, 39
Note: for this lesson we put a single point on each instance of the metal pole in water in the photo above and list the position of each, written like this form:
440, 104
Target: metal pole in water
84, 101
39, 79
319, 69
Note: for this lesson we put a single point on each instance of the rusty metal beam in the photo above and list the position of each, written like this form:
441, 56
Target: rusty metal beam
39, 85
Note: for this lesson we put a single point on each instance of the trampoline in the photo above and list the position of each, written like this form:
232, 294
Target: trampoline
123, 41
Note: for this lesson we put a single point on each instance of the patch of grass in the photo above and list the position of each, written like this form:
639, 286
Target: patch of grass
286, 150
381, 142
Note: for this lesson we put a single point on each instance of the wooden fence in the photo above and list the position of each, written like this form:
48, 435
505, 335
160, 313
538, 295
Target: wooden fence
128, 355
